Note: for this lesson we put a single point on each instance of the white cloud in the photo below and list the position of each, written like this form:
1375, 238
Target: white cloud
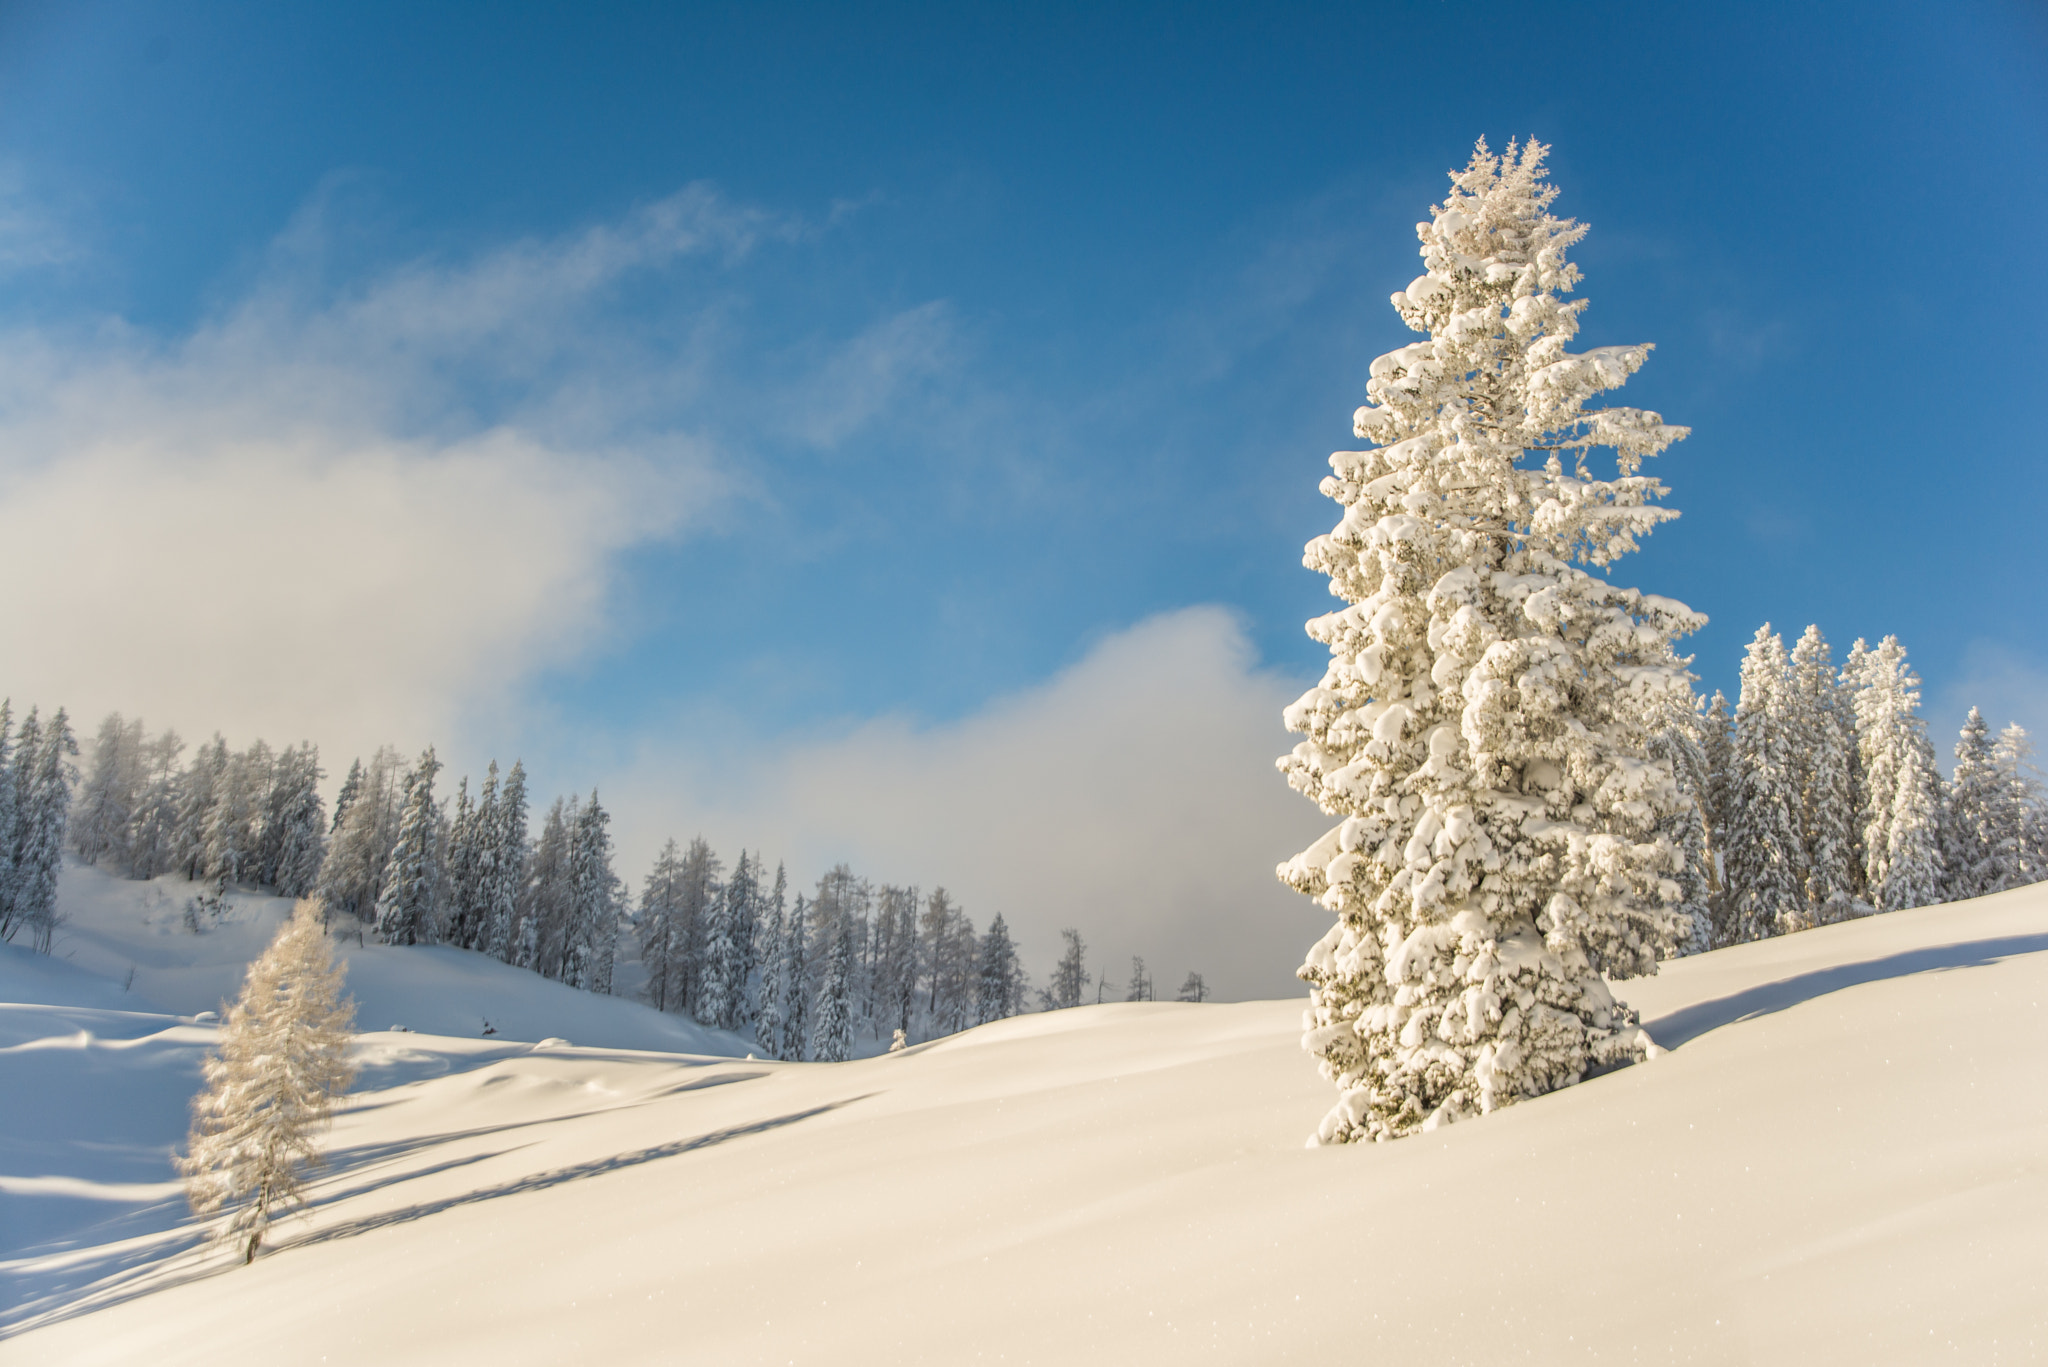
298, 519
1132, 796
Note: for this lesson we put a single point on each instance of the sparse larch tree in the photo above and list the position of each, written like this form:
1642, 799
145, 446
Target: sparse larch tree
282, 1063
1481, 727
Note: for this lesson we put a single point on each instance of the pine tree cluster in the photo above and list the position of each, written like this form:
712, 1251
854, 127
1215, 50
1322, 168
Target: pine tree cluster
811, 979
251, 818
1818, 798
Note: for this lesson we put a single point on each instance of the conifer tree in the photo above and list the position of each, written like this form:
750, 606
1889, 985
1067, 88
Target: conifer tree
728, 942
1766, 872
291, 834
352, 875
592, 919
153, 828
700, 897
1194, 989
407, 909
660, 907
773, 955
1823, 739
547, 911
229, 833
462, 871
2014, 754
1901, 811
832, 1032
796, 964
1980, 838
10, 823
1717, 800
43, 776
350, 787
106, 800
198, 793
506, 888
1480, 728
282, 1064
997, 983
1678, 745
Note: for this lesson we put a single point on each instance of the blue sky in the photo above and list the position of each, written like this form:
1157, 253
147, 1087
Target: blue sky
701, 399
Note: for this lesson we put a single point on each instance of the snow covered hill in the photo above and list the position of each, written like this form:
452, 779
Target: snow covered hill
116, 928
1839, 1159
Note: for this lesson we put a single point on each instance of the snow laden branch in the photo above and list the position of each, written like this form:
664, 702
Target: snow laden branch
1484, 726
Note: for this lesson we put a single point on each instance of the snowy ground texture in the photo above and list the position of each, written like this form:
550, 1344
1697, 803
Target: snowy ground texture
1843, 1157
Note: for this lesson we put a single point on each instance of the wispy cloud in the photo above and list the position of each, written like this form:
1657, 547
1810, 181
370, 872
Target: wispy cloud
358, 511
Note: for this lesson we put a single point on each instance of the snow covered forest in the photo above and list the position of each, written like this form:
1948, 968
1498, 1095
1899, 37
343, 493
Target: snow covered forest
824, 975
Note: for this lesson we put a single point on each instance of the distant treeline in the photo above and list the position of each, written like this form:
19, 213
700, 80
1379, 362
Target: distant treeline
847, 962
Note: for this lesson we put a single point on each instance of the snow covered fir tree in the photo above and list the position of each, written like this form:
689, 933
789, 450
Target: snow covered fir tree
1484, 725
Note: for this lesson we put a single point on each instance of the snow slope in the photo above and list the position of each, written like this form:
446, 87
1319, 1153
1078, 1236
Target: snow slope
1841, 1158
114, 927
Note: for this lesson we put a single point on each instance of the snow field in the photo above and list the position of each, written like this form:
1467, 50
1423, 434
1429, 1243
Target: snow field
1841, 1159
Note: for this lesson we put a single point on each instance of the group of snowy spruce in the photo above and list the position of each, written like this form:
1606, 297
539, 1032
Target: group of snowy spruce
1533, 801
728, 949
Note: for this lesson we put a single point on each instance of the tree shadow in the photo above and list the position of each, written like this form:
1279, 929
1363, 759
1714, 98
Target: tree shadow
177, 1257
541, 1181
1682, 1026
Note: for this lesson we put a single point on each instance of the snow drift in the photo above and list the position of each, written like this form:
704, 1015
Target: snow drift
1838, 1158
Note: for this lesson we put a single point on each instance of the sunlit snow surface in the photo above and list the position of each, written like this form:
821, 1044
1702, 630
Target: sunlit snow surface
1841, 1159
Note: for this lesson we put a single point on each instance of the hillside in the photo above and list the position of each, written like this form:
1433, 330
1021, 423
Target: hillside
1839, 1158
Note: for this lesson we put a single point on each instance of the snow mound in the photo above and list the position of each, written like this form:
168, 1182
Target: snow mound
1838, 1159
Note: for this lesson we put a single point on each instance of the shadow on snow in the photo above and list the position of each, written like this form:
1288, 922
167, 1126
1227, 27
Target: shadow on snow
1689, 1023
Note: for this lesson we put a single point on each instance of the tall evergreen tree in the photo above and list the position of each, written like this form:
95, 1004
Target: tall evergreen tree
295, 828
1981, 821
352, 875
350, 787
593, 916
407, 910
897, 961
198, 794
1000, 981
796, 963
549, 898
832, 1032
1901, 812
10, 816
229, 834
1479, 730
700, 897
2014, 755
1678, 745
1766, 866
728, 950
505, 890
659, 926
152, 832
768, 1013
42, 802
1823, 739
107, 799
